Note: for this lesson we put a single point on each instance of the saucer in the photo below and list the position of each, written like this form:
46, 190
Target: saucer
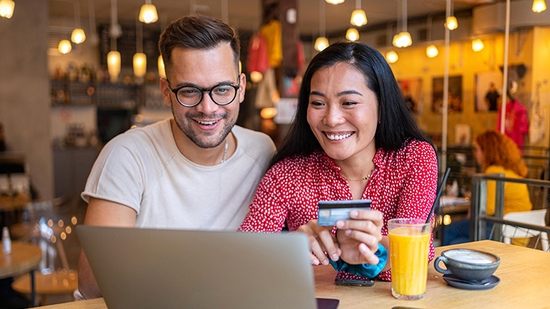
486, 284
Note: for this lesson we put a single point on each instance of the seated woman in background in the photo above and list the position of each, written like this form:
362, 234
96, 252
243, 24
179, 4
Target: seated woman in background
497, 154
353, 137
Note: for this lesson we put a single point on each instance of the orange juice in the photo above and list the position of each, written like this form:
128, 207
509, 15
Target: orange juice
409, 247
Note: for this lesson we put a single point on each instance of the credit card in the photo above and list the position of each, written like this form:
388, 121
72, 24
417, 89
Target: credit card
332, 211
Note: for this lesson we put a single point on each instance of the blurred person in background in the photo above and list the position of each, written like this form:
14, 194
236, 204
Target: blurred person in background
497, 154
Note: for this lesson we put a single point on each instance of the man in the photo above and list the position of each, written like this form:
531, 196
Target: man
195, 171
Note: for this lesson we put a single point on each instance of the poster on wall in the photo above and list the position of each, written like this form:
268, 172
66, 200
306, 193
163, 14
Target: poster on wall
487, 91
412, 90
454, 94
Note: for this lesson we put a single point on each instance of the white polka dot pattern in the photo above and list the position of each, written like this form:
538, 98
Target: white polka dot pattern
403, 185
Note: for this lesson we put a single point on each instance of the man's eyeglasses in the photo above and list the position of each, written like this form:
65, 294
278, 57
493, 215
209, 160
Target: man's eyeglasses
221, 94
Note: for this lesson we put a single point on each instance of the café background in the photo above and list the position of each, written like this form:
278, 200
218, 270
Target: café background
31, 124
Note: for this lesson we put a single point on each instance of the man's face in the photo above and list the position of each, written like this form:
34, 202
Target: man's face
206, 124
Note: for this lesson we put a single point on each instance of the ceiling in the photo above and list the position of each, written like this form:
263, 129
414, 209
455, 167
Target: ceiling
245, 14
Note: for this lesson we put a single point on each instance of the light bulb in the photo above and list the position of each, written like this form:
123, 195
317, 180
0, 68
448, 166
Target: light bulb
321, 43
335, 1
160, 64
113, 65
78, 36
352, 34
358, 18
539, 6
432, 51
140, 64
6, 8
451, 23
148, 14
402, 39
392, 56
64, 47
477, 45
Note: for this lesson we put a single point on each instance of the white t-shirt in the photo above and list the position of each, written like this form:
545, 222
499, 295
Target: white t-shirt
143, 169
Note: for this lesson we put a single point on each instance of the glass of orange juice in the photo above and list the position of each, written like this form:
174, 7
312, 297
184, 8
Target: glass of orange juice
409, 247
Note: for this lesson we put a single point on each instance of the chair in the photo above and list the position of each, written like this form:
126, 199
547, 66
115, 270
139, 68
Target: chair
534, 217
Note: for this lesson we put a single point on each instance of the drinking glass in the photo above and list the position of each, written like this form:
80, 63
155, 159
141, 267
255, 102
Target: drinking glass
409, 247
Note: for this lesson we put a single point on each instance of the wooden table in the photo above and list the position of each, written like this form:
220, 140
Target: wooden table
523, 272
24, 257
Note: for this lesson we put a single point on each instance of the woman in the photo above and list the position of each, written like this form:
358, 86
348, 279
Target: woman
352, 138
497, 154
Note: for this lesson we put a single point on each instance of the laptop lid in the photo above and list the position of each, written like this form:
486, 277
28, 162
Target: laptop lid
156, 268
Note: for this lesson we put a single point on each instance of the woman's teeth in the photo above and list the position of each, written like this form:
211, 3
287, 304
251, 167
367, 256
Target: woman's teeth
337, 137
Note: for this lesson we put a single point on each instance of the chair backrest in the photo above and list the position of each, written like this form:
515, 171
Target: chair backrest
535, 217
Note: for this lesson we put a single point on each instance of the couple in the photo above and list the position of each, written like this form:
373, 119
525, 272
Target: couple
352, 138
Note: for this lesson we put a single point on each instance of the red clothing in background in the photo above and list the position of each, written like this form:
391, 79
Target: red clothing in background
403, 185
516, 123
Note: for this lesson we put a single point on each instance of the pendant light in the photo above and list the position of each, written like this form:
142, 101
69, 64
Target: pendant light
160, 64
431, 50
78, 35
335, 1
392, 56
64, 47
451, 22
148, 13
403, 38
6, 8
358, 16
352, 35
477, 45
113, 57
321, 42
140, 59
539, 6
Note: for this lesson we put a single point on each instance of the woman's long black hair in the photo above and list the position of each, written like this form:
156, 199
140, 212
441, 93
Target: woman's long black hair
396, 124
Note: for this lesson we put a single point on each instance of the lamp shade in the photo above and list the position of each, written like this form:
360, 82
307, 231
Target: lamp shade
113, 65
6, 8
140, 64
451, 23
64, 47
321, 43
539, 6
78, 36
392, 56
358, 18
335, 1
352, 34
148, 13
160, 64
402, 39
477, 45
432, 51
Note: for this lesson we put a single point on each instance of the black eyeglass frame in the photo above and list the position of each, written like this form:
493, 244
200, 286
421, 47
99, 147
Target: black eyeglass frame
203, 90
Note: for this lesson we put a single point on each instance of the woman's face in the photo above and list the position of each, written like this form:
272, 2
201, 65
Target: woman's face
477, 153
343, 112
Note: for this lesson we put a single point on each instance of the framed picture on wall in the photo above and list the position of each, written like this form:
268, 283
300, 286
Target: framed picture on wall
412, 90
454, 94
487, 91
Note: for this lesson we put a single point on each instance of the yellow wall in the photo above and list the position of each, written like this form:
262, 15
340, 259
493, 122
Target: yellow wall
541, 77
413, 63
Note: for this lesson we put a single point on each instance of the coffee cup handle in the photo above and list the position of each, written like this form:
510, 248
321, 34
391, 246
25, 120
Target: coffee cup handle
439, 269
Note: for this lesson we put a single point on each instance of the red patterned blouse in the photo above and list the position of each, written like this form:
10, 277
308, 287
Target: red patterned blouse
403, 185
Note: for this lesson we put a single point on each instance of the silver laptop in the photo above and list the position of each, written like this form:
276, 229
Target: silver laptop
155, 268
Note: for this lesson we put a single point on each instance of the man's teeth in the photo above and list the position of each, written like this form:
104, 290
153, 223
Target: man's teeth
334, 137
206, 123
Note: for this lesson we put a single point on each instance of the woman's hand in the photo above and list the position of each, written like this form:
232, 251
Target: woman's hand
321, 241
358, 239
